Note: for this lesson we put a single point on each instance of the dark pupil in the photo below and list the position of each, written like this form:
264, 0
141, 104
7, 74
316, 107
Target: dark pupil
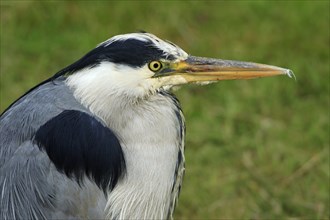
156, 65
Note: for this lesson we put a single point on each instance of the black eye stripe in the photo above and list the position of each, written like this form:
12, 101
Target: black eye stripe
130, 52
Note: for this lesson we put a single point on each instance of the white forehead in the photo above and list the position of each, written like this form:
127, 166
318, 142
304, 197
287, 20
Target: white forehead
166, 46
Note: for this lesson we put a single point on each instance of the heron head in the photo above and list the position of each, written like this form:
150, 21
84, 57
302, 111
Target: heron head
139, 64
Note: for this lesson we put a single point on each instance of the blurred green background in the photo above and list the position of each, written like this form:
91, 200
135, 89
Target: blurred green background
256, 149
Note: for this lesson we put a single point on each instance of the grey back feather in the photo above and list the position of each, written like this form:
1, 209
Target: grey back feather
27, 176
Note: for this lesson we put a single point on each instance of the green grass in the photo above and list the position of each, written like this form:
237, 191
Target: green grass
256, 149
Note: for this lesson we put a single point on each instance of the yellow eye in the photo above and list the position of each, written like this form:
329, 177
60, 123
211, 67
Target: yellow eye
155, 66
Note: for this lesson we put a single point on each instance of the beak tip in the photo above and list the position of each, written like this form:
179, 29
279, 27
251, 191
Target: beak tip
290, 74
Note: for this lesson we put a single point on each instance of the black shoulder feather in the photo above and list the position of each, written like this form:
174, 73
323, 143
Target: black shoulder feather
79, 145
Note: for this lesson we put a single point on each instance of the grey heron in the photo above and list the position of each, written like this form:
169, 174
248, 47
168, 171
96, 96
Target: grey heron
104, 137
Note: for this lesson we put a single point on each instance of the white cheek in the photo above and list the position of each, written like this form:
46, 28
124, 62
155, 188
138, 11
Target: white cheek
108, 79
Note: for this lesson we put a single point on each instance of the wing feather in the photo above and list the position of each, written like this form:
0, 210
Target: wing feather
48, 143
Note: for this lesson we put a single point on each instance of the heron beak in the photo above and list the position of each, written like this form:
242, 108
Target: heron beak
200, 69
